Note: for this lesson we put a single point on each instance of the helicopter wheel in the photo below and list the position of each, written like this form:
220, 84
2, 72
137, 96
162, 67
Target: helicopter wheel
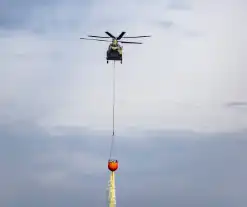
107, 61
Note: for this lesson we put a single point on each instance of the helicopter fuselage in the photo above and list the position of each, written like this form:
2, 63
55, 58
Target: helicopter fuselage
114, 52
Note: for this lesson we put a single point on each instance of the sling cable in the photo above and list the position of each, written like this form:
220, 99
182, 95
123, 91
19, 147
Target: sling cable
112, 163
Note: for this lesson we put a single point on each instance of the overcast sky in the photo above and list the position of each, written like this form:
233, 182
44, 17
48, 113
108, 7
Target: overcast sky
181, 107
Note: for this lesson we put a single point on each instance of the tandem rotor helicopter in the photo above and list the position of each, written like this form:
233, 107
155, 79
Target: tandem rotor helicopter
115, 50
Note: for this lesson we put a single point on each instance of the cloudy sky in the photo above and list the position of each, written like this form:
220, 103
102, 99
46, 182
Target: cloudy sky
181, 107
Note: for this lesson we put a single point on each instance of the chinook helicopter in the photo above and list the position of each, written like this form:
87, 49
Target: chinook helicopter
115, 50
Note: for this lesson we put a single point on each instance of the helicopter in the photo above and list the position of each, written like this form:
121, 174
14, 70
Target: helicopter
115, 50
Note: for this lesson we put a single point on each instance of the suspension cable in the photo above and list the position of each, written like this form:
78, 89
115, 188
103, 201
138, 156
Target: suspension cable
113, 107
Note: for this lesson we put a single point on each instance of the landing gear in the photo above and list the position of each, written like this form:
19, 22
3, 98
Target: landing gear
121, 61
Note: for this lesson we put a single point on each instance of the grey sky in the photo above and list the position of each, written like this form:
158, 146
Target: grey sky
178, 144
15, 14
170, 168
199, 70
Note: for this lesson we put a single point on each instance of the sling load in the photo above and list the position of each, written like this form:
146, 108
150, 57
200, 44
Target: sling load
112, 165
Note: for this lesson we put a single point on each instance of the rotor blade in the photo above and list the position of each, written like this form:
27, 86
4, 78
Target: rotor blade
110, 35
138, 36
95, 39
121, 35
97, 36
130, 42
